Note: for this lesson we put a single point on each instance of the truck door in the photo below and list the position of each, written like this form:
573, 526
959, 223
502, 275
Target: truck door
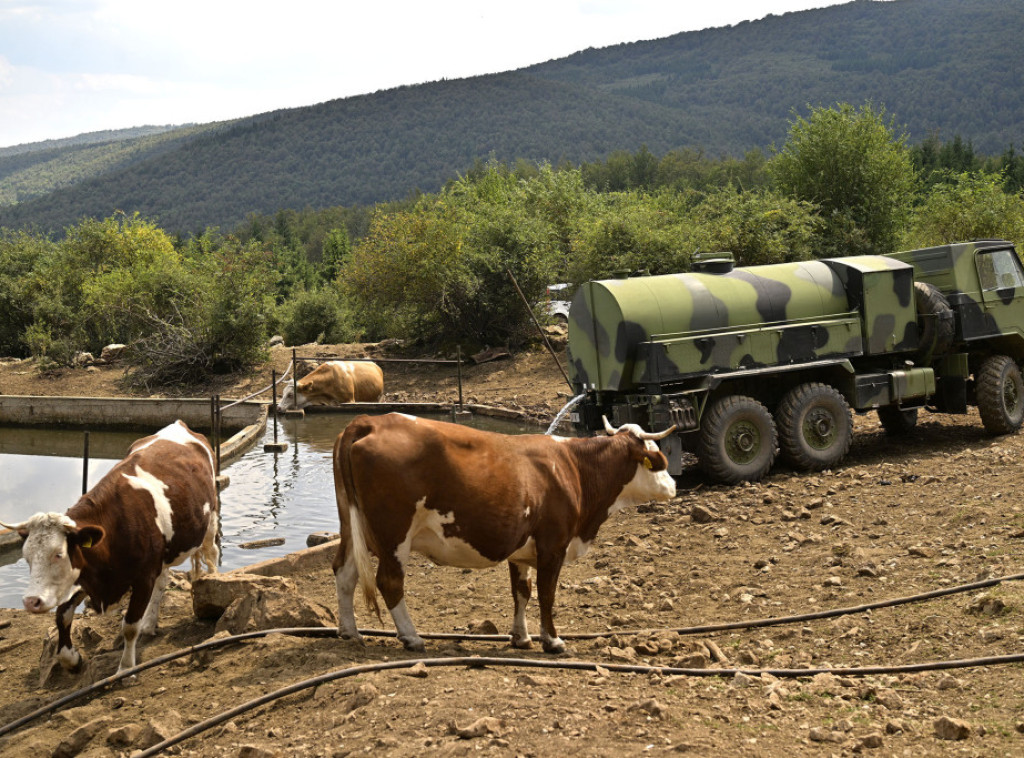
1002, 289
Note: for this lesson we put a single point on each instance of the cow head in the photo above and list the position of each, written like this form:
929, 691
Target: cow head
652, 480
289, 399
53, 546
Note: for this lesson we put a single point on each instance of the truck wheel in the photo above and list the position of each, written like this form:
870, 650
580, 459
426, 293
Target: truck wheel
897, 421
1000, 393
938, 327
815, 426
738, 441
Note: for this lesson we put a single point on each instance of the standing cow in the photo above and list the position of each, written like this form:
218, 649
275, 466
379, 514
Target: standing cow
334, 383
469, 498
153, 510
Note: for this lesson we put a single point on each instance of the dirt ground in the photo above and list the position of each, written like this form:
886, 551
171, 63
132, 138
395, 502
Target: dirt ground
935, 510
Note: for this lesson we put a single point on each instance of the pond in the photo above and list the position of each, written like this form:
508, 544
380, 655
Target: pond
287, 495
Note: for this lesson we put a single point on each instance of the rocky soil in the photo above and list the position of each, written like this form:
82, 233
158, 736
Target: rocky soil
935, 510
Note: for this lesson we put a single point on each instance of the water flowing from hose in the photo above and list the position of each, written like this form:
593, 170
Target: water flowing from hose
561, 414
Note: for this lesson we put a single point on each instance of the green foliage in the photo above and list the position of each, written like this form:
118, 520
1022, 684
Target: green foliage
219, 325
19, 255
852, 165
759, 227
440, 272
99, 285
966, 207
680, 169
317, 315
633, 231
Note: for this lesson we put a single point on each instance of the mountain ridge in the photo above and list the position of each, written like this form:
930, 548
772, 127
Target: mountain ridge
937, 66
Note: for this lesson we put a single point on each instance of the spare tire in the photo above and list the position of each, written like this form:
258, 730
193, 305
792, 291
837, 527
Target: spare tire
935, 319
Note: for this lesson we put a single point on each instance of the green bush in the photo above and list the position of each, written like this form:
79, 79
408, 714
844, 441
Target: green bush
758, 227
966, 207
218, 326
317, 315
856, 170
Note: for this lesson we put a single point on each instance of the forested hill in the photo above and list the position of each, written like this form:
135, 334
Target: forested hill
939, 66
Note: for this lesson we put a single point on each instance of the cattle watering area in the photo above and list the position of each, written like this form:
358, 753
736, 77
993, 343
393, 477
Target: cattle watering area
871, 609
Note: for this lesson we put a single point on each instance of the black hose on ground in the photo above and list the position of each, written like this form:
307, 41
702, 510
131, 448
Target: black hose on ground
332, 631
479, 662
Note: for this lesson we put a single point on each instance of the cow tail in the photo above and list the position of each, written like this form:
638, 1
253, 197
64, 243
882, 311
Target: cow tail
208, 554
206, 558
349, 511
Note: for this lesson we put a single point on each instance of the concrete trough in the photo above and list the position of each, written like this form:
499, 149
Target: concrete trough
123, 412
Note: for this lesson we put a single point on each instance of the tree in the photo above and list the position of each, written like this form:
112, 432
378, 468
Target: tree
853, 166
968, 206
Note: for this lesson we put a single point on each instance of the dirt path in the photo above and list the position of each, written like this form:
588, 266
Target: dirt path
936, 510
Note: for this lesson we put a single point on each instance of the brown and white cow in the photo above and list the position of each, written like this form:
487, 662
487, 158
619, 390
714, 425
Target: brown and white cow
154, 509
469, 498
334, 383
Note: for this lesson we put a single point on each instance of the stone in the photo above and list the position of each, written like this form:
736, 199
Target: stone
820, 734
947, 728
419, 671
482, 626
213, 593
649, 706
274, 609
363, 696
124, 736
76, 741
319, 538
479, 728
113, 352
159, 729
871, 741
701, 515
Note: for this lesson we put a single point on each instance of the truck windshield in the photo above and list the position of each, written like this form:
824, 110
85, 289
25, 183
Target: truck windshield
999, 270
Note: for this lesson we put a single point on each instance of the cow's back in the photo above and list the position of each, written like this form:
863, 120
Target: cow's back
155, 503
367, 382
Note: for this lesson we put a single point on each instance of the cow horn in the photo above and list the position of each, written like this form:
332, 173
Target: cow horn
657, 435
638, 431
13, 527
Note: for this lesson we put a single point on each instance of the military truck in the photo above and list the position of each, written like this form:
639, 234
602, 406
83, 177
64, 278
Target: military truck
751, 362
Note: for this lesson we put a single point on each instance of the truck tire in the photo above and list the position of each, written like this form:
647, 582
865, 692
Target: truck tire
815, 426
999, 390
738, 441
938, 327
897, 421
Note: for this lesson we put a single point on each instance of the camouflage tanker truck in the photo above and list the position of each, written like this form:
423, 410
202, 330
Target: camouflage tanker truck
751, 362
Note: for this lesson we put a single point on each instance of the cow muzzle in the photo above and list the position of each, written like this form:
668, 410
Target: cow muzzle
35, 604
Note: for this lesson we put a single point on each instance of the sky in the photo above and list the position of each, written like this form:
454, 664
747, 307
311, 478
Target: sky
69, 67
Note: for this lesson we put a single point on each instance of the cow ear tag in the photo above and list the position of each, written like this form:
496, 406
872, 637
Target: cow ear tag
87, 542
647, 464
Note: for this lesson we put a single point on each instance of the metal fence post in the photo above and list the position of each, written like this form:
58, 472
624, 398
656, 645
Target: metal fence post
85, 464
460, 376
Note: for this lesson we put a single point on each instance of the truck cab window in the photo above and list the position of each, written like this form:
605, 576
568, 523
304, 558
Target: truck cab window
999, 270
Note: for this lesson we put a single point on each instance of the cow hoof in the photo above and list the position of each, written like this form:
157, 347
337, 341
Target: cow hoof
414, 644
522, 643
555, 646
352, 638
70, 660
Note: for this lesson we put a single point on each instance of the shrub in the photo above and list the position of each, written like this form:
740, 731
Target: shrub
317, 315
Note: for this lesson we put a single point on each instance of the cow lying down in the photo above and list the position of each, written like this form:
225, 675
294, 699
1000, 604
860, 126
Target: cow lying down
153, 510
468, 498
335, 383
